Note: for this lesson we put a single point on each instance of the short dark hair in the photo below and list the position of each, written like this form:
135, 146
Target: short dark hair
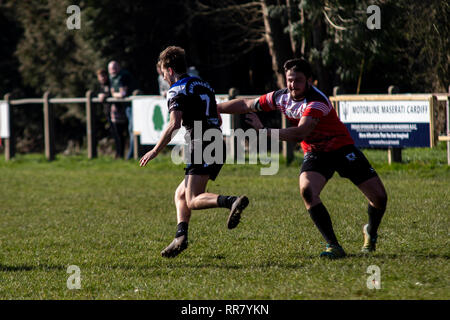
173, 57
298, 65
102, 71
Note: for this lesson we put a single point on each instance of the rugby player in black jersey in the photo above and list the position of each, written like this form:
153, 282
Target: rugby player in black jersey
191, 102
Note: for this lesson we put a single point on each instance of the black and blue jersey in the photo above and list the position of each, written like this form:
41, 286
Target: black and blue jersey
195, 98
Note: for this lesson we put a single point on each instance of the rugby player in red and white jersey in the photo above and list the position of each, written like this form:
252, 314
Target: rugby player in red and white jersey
327, 147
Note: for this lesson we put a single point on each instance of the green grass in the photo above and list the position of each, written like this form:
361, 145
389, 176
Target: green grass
112, 219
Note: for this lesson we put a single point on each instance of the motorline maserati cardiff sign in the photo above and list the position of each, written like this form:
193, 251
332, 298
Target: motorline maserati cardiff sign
388, 123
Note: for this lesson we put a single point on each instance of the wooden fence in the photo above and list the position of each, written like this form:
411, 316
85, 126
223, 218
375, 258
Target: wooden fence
49, 132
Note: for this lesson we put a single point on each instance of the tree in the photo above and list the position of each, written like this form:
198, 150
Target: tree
241, 43
411, 47
51, 56
9, 63
56, 59
243, 26
412, 44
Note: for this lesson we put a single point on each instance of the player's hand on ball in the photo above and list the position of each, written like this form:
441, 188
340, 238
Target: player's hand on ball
147, 157
253, 120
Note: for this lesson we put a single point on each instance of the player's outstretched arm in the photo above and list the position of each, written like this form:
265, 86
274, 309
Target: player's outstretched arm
174, 124
295, 134
237, 106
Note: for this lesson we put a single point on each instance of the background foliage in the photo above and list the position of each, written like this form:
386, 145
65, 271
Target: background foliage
233, 43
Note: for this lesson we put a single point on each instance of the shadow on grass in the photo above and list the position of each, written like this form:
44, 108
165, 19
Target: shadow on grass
7, 268
220, 261
213, 262
194, 265
391, 256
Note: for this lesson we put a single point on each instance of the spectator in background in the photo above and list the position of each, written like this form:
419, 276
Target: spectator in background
116, 119
103, 91
163, 84
122, 85
193, 72
103, 88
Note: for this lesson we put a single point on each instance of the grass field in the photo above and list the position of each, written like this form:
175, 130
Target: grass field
112, 218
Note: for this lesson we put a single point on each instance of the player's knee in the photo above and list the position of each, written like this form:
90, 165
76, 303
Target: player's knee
191, 203
381, 201
307, 194
179, 195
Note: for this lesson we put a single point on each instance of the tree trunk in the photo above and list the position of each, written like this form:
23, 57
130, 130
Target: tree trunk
302, 23
277, 41
322, 75
293, 15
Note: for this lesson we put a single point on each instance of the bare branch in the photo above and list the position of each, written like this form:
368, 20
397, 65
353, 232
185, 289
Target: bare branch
331, 23
206, 10
344, 20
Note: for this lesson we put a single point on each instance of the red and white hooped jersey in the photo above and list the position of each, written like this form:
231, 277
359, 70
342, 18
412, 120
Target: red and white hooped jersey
328, 135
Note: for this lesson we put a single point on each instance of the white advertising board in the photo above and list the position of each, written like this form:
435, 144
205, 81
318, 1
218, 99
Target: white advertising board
386, 123
151, 117
4, 120
384, 111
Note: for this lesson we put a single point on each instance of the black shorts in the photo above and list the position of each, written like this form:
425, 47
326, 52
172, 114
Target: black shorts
206, 169
348, 161
203, 168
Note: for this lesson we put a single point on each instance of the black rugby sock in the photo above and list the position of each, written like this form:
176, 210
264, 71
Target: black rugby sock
319, 214
182, 229
225, 201
375, 216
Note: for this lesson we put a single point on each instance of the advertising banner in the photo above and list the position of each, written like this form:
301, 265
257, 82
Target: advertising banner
151, 117
4, 120
387, 123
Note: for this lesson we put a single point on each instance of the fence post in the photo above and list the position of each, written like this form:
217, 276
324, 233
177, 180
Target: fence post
393, 90
448, 126
10, 143
49, 129
394, 154
90, 127
235, 123
337, 90
136, 137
